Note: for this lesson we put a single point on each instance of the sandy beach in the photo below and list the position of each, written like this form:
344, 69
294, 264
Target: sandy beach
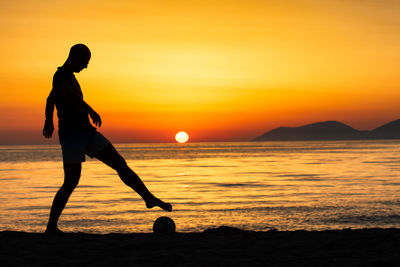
223, 246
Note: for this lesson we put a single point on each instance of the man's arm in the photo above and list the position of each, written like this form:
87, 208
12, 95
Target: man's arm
48, 128
79, 104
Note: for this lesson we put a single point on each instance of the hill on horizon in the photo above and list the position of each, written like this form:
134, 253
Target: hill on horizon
331, 130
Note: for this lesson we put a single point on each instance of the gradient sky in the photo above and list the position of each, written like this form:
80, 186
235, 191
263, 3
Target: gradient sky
219, 70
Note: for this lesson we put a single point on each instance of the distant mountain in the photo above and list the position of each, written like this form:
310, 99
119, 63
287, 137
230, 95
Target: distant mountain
387, 131
331, 130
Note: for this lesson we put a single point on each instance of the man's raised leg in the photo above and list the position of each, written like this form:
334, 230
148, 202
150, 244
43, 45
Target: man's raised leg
72, 174
113, 159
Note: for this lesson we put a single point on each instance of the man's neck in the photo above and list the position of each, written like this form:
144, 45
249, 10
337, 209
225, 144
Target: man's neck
67, 66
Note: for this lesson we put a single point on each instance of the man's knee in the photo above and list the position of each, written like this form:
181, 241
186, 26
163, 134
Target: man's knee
70, 184
72, 174
112, 158
119, 164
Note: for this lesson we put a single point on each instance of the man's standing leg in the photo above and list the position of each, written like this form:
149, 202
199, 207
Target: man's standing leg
72, 174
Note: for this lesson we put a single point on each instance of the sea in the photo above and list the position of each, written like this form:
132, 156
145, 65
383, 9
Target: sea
313, 185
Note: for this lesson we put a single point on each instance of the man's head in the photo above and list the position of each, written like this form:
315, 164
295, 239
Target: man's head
78, 57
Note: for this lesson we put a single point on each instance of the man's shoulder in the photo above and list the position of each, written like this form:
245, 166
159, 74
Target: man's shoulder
62, 75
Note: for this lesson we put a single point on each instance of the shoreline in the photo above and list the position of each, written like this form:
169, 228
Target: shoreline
223, 246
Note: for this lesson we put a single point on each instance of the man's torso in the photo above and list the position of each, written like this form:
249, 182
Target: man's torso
69, 119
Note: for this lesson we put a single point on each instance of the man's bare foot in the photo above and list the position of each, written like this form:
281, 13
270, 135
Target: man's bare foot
151, 203
54, 231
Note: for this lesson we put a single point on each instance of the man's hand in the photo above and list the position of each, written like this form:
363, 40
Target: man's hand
48, 129
95, 117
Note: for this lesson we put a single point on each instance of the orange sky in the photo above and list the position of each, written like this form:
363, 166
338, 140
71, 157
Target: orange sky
220, 70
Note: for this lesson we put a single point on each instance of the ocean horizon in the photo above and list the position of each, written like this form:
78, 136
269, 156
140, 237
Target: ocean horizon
296, 185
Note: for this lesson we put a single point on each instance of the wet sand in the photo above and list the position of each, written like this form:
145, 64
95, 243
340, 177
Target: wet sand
223, 246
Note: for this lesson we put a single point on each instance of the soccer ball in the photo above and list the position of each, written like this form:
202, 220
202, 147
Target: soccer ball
164, 225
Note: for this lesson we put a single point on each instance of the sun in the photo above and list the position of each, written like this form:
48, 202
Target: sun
181, 137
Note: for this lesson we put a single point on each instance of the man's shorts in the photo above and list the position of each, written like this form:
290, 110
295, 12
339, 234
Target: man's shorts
75, 144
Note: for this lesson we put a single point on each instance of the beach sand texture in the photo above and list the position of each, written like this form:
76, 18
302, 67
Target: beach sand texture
223, 246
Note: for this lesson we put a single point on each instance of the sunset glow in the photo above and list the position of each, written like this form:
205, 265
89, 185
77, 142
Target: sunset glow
226, 70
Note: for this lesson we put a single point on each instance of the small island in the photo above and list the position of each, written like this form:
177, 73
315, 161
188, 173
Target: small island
331, 130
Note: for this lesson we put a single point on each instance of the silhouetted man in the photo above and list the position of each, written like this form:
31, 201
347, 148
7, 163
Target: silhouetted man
79, 137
